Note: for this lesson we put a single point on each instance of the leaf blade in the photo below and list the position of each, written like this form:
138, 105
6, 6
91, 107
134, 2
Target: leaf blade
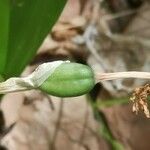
4, 29
28, 28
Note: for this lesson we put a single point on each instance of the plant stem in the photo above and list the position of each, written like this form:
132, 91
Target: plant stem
104, 129
101, 104
122, 75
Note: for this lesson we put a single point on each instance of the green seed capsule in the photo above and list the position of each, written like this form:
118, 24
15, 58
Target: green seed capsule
69, 80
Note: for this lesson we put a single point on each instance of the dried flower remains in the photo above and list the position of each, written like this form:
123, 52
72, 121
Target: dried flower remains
140, 100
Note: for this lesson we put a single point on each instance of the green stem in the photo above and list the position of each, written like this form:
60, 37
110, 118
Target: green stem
104, 129
100, 104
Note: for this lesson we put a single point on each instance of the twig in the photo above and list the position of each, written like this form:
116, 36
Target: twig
89, 37
118, 38
84, 126
121, 75
104, 20
60, 115
128, 39
49, 100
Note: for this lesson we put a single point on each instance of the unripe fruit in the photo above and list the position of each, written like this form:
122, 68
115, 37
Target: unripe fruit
69, 80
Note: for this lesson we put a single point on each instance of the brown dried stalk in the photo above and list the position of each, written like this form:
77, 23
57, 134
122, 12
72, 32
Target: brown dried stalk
140, 94
122, 75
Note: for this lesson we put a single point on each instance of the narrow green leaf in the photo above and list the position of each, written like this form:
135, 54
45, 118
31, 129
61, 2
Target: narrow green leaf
4, 23
30, 22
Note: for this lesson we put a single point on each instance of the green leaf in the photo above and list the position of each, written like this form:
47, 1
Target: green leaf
30, 22
4, 27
